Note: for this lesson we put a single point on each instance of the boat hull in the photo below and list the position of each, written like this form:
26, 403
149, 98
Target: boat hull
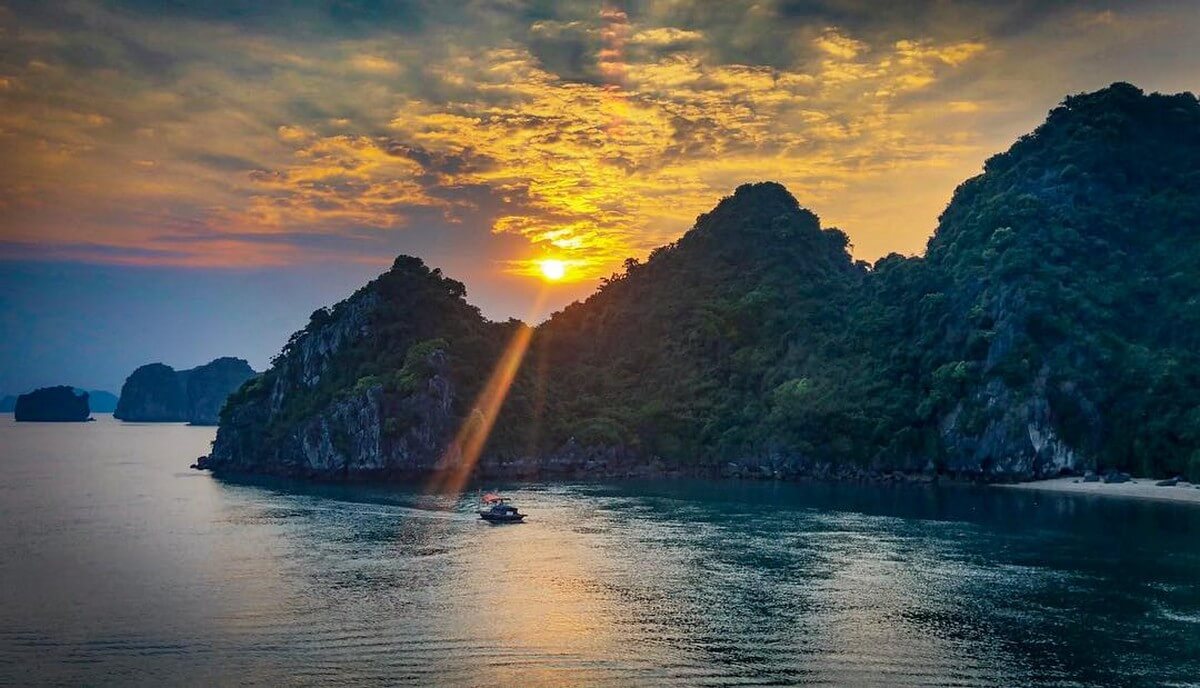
498, 518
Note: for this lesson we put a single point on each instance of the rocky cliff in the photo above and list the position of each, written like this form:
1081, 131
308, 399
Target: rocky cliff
158, 393
207, 387
52, 404
1051, 326
365, 389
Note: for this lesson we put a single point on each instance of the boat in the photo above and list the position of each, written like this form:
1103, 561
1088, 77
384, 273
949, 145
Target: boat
496, 509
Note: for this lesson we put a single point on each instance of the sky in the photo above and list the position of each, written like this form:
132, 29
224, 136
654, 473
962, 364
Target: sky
185, 180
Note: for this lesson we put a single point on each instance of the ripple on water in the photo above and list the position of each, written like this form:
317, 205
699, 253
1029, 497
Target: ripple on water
195, 580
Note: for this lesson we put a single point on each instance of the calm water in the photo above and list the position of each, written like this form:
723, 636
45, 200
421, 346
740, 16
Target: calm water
120, 565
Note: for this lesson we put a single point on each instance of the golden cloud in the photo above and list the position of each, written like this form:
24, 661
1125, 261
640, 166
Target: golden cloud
842, 47
585, 171
666, 36
373, 64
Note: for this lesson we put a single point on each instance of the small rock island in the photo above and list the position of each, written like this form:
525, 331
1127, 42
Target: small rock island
52, 405
157, 393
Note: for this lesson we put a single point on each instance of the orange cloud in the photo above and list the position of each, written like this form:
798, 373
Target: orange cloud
589, 135
373, 64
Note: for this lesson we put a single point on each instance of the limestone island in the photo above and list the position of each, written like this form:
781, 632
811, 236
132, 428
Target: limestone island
52, 405
157, 393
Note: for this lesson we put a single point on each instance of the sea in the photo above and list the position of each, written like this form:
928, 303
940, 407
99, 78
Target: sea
120, 565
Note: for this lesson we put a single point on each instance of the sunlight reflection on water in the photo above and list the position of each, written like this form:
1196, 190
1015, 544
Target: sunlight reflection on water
119, 567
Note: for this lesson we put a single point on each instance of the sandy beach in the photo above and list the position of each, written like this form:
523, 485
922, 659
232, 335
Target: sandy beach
1138, 488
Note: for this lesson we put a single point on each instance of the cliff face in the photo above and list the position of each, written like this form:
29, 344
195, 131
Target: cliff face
208, 386
158, 393
52, 404
364, 390
355, 435
1051, 326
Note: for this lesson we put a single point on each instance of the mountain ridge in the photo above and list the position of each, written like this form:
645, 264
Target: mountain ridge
1028, 341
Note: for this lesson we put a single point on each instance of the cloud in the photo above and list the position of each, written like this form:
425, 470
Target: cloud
372, 64
228, 134
841, 47
666, 37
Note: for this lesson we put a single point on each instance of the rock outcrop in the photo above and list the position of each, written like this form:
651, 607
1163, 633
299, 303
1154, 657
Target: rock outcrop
52, 405
356, 435
158, 393
208, 386
311, 414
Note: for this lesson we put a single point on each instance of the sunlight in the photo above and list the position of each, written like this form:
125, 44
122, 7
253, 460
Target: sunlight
458, 461
553, 270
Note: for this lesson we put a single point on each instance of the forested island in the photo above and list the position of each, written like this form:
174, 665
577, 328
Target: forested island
1052, 326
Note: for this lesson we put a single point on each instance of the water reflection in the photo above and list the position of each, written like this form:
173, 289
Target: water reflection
122, 568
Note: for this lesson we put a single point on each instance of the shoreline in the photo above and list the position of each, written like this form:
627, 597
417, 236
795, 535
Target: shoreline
1137, 488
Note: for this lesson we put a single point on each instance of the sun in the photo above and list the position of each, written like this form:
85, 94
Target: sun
552, 269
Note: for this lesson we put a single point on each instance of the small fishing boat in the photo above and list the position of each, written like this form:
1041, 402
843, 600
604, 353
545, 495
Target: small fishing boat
496, 509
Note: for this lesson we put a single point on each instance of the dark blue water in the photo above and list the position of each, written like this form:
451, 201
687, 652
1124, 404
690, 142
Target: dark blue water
120, 565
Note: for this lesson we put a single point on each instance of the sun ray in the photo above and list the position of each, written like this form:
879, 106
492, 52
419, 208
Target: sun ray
458, 462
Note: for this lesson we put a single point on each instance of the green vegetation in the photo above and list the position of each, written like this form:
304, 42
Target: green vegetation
724, 344
415, 312
1053, 322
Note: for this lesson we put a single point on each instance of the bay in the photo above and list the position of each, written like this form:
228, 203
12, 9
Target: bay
119, 565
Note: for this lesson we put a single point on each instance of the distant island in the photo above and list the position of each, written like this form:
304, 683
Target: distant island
100, 400
158, 393
1051, 327
52, 405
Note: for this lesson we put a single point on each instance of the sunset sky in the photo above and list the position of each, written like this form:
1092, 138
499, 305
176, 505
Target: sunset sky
183, 180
